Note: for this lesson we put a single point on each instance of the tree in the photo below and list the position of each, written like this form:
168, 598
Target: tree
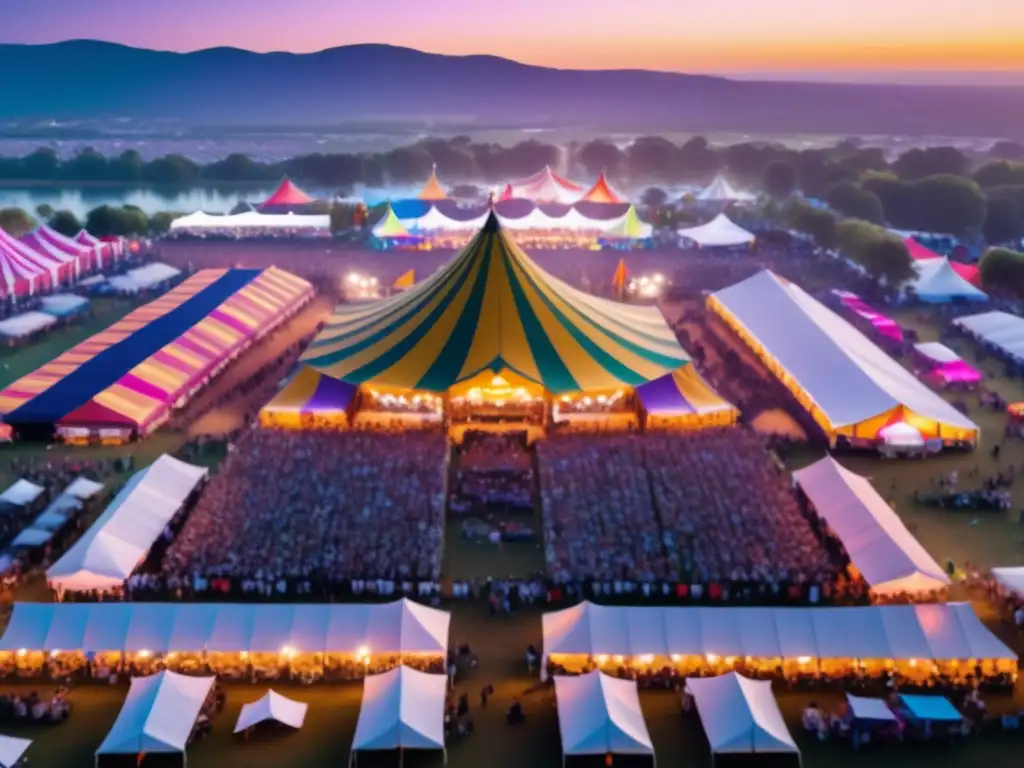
110, 220
1002, 271
779, 178
44, 211
86, 165
16, 222
66, 223
466, 191
930, 161
1002, 221
128, 166
999, 173
882, 254
160, 222
698, 159
1007, 150
851, 200
654, 197
172, 170
819, 224
602, 156
653, 157
42, 165
949, 204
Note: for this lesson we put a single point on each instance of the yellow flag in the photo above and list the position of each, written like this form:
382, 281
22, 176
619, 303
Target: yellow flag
408, 280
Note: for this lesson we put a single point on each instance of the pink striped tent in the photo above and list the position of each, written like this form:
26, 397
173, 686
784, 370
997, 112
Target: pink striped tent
88, 256
67, 266
107, 251
22, 270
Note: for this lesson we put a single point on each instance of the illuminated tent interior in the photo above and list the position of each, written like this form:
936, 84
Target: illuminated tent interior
493, 320
848, 384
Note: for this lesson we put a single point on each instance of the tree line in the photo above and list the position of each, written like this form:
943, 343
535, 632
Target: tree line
104, 220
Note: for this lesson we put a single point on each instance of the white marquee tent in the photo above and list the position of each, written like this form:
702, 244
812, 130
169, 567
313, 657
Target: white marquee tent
158, 715
21, 493
401, 709
381, 628
202, 221
888, 556
272, 706
937, 632
846, 376
82, 488
719, 232
536, 220
937, 352
1000, 329
11, 750
141, 278
938, 282
599, 714
720, 190
1011, 578
122, 536
740, 716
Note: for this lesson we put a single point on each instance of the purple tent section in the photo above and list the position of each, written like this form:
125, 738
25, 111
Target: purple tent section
663, 395
330, 395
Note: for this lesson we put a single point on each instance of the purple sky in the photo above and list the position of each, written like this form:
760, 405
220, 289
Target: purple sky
869, 37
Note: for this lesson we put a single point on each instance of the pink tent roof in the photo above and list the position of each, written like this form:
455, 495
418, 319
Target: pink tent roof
85, 238
546, 186
919, 252
287, 194
968, 272
18, 263
64, 244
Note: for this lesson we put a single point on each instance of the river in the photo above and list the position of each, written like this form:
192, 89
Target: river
80, 200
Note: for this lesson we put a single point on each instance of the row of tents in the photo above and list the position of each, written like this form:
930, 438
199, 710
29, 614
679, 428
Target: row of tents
45, 259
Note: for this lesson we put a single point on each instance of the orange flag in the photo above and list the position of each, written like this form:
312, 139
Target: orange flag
620, 277
408, 280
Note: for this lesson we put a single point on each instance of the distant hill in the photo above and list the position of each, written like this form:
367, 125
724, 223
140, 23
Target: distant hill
92, 80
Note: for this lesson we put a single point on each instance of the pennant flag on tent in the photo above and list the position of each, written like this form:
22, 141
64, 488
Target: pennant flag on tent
408, 280
620, 277
433, 190
602, 192
390, 226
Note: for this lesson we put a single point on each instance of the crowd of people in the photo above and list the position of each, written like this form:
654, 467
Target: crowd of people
314, 515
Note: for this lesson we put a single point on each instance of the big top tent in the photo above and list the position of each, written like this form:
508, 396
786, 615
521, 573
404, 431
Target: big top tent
719, 232
847, 383
937, 282
22, 270
546, 186
720, 190
492, 308
87, 255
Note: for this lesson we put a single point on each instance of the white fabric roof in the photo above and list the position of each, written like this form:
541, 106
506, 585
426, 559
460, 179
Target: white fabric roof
11, 750
21, 493
399, 627
198, 220
83, 488
598, 714
879, 545
122, 536
937, 352
1001, 329
720, 231
158, 714
544, 187
870, 709
62, 303
143, 277
938, 281
272, 706
32, 537
403, 708
1011, 578
26, 324
943, 631
740, 715
720, 189
436, 221
846, 374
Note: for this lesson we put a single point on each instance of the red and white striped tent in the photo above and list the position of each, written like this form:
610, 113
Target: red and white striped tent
88, 256
68, 266
108, 250
22, 270
546, 186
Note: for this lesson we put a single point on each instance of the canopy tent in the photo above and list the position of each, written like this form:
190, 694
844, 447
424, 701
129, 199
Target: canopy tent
602, 192
22, 271
599, 715
131, 375
683, 398
846, 382
22, 493
433, 190
123, 535
144, 277
546, 186
740, 715
82, 488
64, 266
629, 227
310, 396
933, 708
32, 537
999, 329
358, 629
286, 194
492, 308
937, 282
62, 304
1011, 579
719, 232
105, 251
921, 253
887, 555
863, 708
88, 255
720, 190
272, 706
158, 714
59, 267
25, 324
947, 364
937, 632
12, 749
401, 709
883, 325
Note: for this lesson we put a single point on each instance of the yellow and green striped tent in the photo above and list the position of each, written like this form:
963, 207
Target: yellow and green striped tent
492, 308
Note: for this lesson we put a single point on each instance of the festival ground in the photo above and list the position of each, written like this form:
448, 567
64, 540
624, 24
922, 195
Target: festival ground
986, 539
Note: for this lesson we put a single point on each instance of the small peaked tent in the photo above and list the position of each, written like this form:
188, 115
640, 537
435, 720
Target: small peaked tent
719, 232
390, 227
938, 282
272, 706
630, 227
888, 556
158, 715
599, 714
433, 190
489, 309
401, 709
546, 186
11, 750
720, 190
602, 192
287, 194
740, 716
86, 255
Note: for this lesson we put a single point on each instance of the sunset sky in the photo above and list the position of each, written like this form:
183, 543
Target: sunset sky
870, 37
